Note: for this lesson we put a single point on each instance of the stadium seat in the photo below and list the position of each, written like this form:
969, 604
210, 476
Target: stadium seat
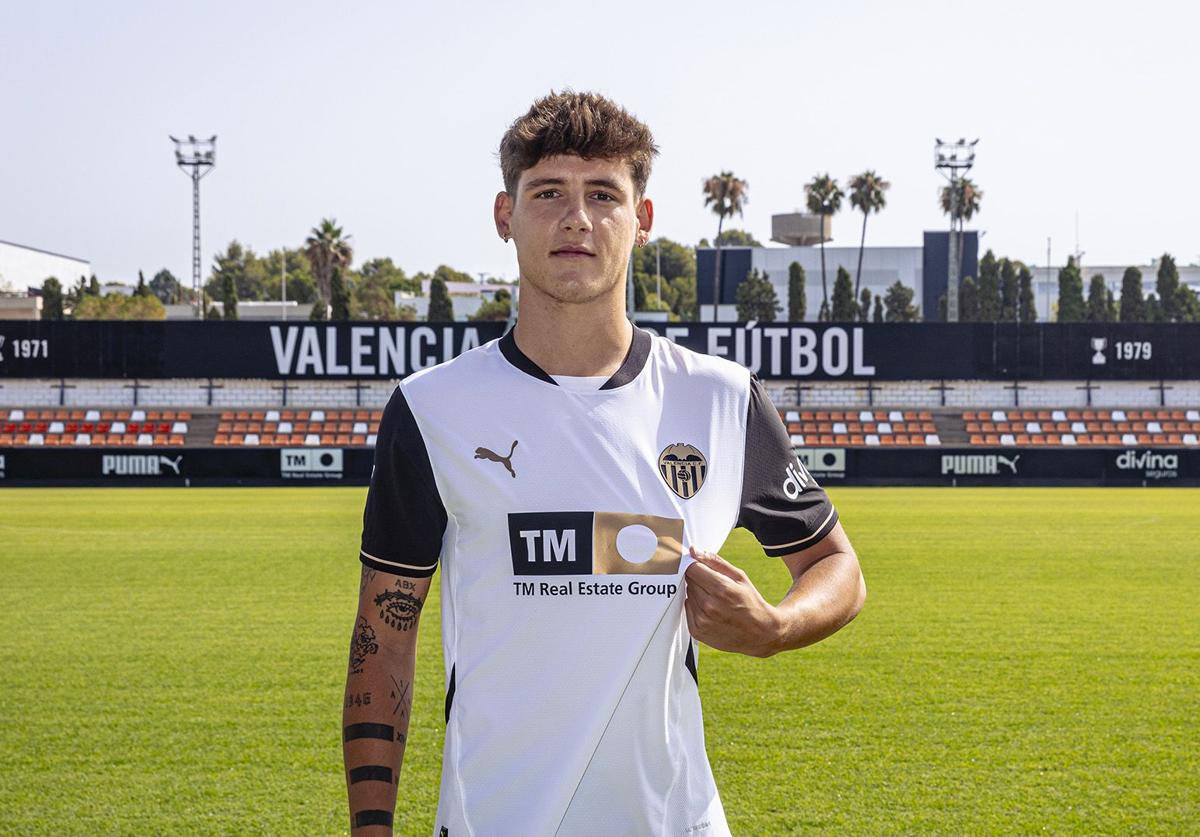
932, 439
1128, 439
797, 439
1192, 416
1154, 427
1008, 440
312, 440
250, 439
1032, 427
1190, 439
83, 438
839, 427
37, 439
16, 415
371, 439
316, 415
145, 440
137, 415
792, 415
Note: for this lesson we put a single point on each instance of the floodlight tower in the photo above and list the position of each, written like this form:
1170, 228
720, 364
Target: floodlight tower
954, 160
196, 158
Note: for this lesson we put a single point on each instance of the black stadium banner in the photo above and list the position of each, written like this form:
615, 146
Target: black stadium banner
807, 351
831, 466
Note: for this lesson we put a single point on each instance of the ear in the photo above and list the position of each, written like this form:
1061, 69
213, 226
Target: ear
502, 213
645, 217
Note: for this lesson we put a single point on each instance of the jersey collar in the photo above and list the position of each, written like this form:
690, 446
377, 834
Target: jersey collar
631, 366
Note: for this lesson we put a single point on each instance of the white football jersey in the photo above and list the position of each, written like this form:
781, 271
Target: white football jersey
561, 512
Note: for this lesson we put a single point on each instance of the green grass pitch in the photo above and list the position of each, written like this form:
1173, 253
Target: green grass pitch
172, 662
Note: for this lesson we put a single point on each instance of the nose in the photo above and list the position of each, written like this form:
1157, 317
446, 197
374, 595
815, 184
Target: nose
576, 219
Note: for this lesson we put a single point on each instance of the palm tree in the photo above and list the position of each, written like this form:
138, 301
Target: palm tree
327, 250
824, 198
969, 196
726, 195
866, 195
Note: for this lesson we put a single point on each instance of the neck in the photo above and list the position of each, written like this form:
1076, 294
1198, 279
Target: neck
588, 339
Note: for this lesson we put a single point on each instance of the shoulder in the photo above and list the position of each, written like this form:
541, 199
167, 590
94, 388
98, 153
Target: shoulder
464, 371
711, 370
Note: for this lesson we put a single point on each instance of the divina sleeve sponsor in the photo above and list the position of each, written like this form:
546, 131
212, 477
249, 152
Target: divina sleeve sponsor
781, 502
404, 519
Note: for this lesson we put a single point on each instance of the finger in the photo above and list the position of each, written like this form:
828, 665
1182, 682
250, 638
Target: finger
716, 562
705, 578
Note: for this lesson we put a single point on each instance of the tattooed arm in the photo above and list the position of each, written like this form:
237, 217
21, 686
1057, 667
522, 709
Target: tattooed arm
375, 714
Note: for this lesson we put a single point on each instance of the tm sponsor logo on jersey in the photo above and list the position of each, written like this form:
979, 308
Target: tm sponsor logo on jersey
1155, 466
310, 463
135, 465
594, 544
969, 464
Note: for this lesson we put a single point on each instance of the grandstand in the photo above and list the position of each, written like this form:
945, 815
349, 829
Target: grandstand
258, 403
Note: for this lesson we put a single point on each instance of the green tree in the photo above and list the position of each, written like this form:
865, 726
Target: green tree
319, 312
301, 284
1097, 300
968, 301
1154, 310
1167, 286
1026, 306
990, 300
373, 296
683, 289
327, 248
877, 316
339, 296
867, 196
229, 296
441, 309
93, 288
898, 304
120, 307
823, 197
823, 314
141, 289
726, 195
1133, 304
384, 272
1009, 291
756, 299
737, 238
499, 307
166, 287
969, 198
844, 308
669, 259
52, 299
797, 302
864, 305
1071, 307
243, 267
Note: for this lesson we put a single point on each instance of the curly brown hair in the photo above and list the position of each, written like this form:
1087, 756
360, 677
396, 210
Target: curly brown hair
585, 124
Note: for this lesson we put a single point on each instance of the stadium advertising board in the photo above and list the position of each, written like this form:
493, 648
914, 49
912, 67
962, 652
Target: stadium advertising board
805, 351
830, 466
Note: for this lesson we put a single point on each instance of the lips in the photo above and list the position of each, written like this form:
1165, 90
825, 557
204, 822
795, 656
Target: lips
572, 253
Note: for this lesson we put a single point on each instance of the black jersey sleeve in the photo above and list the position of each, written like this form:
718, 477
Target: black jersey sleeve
781, 503
404, 520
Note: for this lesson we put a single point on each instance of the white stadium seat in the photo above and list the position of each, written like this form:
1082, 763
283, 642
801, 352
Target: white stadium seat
885, 427
1058, 415
117, 427
792, 415
371, 439
1128, 439
797, 439
91, 415
840, 427
1033, 427
273, 416
250, 439
16, 415
933, 439
83, 438
145, 440
1078, 427
1190, 439
1119, 415
284, 427
1193, 415
312, 440
137, 415
360, 427
1008, 439
866, 416
1154, 427
1068, 439
896, 416
317, 415
179, 428
57, 427
999, 415
37, 439
872, 440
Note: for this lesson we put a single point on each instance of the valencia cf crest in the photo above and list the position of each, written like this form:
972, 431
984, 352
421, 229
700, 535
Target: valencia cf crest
684, 468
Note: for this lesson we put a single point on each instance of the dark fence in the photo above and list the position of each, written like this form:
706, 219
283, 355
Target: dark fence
886, 351
831, 466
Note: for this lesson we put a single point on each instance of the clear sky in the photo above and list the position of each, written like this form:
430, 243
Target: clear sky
386, 116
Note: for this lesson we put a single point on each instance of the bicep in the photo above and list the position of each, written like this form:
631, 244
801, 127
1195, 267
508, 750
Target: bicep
389, 608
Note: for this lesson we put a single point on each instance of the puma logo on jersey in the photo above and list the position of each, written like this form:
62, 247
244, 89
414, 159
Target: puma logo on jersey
492, 456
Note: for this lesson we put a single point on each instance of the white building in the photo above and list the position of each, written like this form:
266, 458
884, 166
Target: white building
1045, 283
23, 267
465, 297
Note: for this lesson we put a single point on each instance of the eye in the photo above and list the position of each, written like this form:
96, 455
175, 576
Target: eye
549, 193
603, 196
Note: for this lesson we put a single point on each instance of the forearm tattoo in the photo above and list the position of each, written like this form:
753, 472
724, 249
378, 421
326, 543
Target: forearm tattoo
398, 608
362, 645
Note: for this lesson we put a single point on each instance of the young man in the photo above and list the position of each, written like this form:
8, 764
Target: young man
573, 479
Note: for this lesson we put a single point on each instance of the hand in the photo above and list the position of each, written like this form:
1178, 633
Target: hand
726, 611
